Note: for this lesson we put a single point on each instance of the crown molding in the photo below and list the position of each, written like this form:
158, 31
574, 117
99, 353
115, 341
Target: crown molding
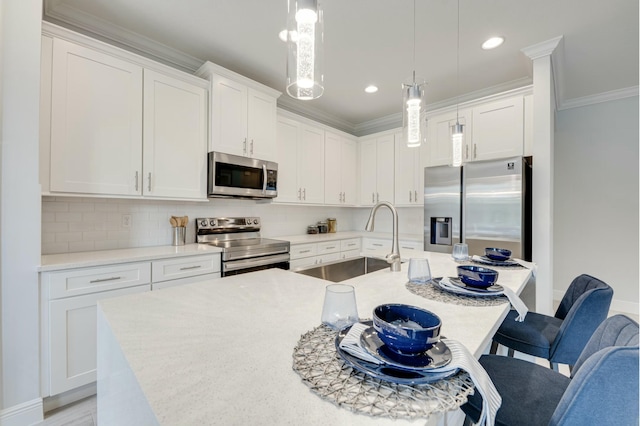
613, 95
64, 15
553, 48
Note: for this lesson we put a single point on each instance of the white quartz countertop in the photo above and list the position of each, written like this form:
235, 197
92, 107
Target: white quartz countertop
55, 262
220, 351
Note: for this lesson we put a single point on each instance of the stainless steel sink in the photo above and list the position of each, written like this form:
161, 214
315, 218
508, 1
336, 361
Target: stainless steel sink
341, 270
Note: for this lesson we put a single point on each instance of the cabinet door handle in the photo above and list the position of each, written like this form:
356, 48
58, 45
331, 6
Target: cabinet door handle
351, 244
136, 181
244, 146
299, 193
466, 153
377, 197
149, 182
415, 196
251, 150
377, 244
304, 251
330, 248
304, 194
101, 280
410, 196
475, 151
190, 267
407, 248
373, 197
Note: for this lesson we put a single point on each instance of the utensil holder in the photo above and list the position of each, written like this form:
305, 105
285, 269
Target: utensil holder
179, 235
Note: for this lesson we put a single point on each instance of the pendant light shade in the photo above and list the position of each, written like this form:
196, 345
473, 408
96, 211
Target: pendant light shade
414, 120
305, 49
414, 123
457, 130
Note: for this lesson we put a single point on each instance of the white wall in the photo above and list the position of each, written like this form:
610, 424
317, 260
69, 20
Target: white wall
20, 210
596, 198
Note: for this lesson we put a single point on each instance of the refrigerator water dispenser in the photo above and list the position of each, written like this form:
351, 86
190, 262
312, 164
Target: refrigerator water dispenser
441, 230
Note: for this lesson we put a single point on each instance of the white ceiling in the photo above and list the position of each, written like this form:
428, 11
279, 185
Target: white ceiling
370, 41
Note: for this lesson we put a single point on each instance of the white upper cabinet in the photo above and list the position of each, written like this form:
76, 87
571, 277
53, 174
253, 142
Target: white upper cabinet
498, 130
377, 169
96, 122
120, 125
243, 114
300, 157
409, 176
439, 129
175, 138
340, 166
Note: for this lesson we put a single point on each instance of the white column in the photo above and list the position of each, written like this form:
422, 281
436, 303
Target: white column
544, 107
20, 211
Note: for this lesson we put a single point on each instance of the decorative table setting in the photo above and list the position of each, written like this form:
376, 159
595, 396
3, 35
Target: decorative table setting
252, 348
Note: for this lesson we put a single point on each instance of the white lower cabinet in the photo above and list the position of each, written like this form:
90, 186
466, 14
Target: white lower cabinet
309, 254
72, 332
69, 300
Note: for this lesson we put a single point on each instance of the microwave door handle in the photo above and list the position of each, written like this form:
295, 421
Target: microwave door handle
264, 178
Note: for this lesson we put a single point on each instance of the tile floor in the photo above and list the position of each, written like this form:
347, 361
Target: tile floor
84, 412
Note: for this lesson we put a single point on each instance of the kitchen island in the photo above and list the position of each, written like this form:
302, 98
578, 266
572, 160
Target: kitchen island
221, 352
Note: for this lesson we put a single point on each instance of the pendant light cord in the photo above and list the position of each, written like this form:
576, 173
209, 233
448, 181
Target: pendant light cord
414, 42
457, 63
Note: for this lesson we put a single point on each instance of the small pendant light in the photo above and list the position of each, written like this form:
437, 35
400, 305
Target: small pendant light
414, 123
457, 130
305, 39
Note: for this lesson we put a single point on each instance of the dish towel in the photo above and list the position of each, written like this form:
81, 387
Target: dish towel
462, 359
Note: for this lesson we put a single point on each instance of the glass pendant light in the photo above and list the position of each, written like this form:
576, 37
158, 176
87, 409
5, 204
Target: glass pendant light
457, 130
414, 123
305, 35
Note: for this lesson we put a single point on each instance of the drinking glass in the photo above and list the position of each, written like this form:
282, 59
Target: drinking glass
460, 252
419, 271
339, 308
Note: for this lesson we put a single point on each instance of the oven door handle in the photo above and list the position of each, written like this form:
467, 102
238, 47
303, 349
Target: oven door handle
264, 178
250, 263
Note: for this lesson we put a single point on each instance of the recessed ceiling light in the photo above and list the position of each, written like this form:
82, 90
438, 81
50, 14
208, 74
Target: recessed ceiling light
371, 89
492, 43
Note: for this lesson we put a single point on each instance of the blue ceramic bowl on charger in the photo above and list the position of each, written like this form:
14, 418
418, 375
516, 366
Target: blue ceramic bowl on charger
477, 276
498, 254
406, 329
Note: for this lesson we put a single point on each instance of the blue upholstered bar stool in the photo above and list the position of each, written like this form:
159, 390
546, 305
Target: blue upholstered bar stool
602, 390
559, 338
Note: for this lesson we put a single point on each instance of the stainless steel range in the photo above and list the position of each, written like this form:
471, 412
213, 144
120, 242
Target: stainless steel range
243, 250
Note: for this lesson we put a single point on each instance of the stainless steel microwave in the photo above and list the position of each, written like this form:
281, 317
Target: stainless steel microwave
241, 177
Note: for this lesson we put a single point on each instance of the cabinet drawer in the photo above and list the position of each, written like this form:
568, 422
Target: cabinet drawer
183, 281
329, 247
74, 282
300, 251
302, 263
376, 244
328, 257
411, 245
350, 244
183, 267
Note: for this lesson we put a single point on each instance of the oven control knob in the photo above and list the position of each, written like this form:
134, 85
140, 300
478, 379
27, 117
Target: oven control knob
203, 223
255, 221
212, 222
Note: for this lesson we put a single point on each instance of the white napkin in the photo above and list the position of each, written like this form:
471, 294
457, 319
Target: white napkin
351, 344
514, 299
528, 265
446, 284
484, 260
516, 303
462, 359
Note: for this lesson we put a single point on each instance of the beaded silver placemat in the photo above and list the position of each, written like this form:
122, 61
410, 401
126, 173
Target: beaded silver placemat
317, 362
432, 291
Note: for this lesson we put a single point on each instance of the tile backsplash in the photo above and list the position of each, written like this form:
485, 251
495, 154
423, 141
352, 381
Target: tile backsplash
76, 224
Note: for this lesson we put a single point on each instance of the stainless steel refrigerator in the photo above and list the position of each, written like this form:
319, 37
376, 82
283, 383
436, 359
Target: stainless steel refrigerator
483, 204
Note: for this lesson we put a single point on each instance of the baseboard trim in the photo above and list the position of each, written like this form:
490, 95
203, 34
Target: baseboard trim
617, 305
27, 413
69, 397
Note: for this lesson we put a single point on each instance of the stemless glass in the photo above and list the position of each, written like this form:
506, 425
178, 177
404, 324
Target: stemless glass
340, 309
419, 271
460, 252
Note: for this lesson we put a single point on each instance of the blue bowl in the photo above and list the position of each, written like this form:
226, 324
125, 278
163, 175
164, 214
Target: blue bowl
477, 276
497, 253
406, 329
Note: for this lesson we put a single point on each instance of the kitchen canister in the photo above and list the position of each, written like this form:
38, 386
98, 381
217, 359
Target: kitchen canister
179, 235
323, 227
333, 225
